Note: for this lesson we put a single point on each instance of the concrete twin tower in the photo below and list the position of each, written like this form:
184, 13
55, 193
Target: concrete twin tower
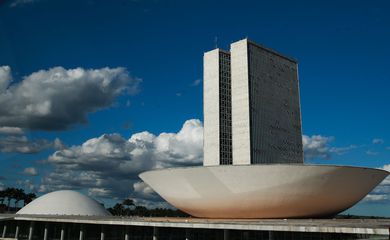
251, 107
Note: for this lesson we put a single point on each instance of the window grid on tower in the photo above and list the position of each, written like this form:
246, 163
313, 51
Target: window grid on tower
225, 110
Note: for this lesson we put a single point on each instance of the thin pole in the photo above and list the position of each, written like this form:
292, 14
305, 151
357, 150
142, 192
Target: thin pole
31, 230
81, 236
270, 235
4, 231
45, 232
62, 232
17, 231
102, 232
155, 232
126, 233
225, 234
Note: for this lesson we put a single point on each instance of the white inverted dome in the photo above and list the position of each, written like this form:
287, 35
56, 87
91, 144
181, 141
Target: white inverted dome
64, 202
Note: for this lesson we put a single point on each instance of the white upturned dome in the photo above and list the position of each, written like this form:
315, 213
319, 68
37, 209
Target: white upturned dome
64, 202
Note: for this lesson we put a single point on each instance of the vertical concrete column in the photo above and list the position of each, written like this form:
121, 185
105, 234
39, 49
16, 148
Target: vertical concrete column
31, 231
102, 232
81, 236
127, 237
62, 236
17, 231
155, 233
245, 235
45, 232
4, 231
226, 234
270, 235
187, 234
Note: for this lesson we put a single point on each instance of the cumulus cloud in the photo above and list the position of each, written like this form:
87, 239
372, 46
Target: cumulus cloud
318, 147
143, 191
26, 184
21, 144
5, 78
57, 98
32, 171
377, 141
108, 166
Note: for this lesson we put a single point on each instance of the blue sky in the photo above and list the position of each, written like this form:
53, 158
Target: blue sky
151, 54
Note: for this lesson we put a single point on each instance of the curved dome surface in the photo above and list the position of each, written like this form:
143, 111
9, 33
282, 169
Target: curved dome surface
263, 191
65, 202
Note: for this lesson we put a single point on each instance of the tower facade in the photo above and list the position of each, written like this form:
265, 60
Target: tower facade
266, 116
251, 107
217, 108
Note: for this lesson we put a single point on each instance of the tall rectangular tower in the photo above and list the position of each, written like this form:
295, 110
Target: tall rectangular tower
266, 117
217, 143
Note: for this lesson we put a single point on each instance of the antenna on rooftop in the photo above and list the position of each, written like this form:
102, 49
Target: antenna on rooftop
216, 41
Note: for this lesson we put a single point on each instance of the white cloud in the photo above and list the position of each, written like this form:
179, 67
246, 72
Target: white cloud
372, 153
99, 192
108, 166
196, 82
318, 147
57, 98
5, 78
143, 191
377, 141
341, 150
21, 144
376, 198
381, 194
16, 3
32, 171
26, 184
58, 144
11, 131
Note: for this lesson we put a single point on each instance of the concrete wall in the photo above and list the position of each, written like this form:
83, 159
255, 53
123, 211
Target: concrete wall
265, 124
240, 103
265, 106
211, 107
275, 119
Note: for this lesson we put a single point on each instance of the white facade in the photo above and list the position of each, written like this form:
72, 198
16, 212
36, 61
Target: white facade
265, 106
262, 119
240, 103
217, 143
211, 108
64, 202
263, 190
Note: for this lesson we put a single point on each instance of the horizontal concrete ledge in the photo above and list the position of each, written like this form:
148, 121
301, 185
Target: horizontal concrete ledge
356, 226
